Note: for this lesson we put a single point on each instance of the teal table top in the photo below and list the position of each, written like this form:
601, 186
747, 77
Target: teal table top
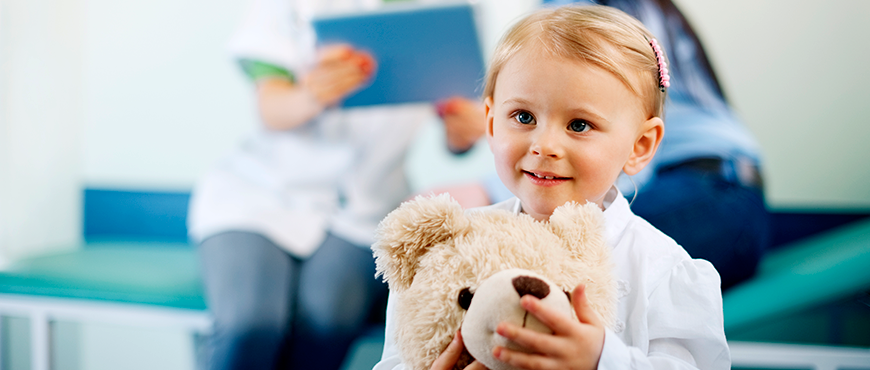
163, 274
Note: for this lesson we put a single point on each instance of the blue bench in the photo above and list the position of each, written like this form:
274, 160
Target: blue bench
811, 272
134, 269
810, 292
147, 284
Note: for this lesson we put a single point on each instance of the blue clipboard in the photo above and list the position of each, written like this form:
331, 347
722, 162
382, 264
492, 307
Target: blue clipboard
424, 53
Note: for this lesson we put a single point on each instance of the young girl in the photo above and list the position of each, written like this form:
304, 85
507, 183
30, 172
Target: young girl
574, 96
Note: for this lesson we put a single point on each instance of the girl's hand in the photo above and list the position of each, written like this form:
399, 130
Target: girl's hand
448, 358
573, 345
464, 122
340, 71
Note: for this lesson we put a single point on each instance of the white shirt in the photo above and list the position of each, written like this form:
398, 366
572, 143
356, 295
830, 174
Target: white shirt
669, 314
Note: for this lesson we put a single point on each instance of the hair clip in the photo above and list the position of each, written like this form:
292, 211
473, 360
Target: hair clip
664, 77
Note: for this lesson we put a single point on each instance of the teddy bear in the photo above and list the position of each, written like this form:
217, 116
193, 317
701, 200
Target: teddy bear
450, 268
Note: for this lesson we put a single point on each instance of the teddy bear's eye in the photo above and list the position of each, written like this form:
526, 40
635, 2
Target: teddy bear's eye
465, 297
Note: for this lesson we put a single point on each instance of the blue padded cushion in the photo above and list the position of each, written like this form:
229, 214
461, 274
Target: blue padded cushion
163, 274
808, 273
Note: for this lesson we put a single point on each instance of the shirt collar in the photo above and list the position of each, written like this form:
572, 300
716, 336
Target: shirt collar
616, 216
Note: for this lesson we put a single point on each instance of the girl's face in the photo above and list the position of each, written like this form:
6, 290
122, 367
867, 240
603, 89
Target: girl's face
562, 130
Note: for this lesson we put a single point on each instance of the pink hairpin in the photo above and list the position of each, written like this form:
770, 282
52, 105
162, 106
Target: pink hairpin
664, 77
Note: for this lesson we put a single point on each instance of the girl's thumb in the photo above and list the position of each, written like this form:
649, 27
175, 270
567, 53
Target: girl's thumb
582, 308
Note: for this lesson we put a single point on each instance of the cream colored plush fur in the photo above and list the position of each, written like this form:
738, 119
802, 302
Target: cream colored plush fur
429, 250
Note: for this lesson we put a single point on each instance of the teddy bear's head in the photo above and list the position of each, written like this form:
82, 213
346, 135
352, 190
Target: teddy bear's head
452, 268
497, 300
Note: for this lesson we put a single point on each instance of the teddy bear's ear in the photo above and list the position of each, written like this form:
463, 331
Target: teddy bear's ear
408, 233
580, 227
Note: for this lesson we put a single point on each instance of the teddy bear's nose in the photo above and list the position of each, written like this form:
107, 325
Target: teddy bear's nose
531, 285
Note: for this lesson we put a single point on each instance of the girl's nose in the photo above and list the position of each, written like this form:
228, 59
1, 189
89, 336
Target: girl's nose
547, 142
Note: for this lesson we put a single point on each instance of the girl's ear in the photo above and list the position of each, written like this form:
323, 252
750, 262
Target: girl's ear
648, 140
487, 104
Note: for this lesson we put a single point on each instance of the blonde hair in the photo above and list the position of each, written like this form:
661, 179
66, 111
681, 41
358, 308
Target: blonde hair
603, 36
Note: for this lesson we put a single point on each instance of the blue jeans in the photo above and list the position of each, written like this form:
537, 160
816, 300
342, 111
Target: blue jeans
712, 214
273, 310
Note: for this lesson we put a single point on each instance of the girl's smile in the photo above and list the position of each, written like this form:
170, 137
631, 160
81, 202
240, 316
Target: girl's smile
545, 178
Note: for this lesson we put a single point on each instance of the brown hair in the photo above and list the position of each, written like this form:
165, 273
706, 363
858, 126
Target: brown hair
602, 36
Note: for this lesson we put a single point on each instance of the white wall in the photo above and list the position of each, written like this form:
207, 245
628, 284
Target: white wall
797, 71
40, 125
163, 99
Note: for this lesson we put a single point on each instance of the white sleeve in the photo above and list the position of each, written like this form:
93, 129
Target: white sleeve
685, 325
275, 32
390, 358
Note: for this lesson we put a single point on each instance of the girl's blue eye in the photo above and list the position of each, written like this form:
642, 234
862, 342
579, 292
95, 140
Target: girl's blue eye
525, 118
578, 125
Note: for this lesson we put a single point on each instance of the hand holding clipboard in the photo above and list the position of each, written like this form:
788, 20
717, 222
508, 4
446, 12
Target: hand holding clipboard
424, 53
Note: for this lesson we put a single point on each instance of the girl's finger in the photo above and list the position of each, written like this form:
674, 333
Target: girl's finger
582, 308
558, 322
475, 366
448, 358
524, 360
529, 339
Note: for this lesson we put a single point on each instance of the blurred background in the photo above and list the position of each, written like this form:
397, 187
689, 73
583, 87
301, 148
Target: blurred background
141, 95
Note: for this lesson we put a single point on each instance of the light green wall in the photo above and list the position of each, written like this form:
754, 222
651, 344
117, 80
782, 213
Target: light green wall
794, 71
40, 125
797, 73
163, 99
135, 93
